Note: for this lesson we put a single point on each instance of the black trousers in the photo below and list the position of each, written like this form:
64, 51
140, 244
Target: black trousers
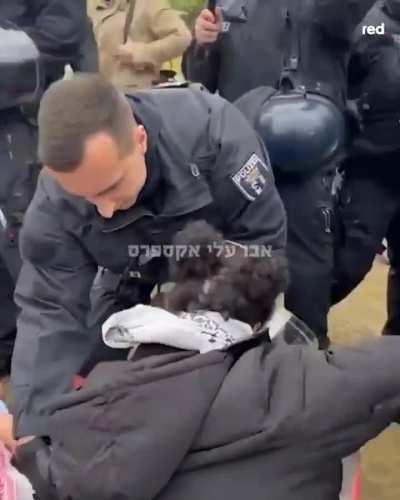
392, 326
369, 210
18, 174
309, 205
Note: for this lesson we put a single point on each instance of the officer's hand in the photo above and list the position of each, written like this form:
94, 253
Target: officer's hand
208, 26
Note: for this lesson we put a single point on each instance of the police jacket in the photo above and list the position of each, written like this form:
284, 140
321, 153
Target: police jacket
261, 39
212, 168
57, 27
374, 82
258, 421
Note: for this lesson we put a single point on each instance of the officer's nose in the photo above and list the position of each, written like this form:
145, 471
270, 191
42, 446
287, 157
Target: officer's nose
106, 209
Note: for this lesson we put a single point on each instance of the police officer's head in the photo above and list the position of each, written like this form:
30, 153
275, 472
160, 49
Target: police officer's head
90, 143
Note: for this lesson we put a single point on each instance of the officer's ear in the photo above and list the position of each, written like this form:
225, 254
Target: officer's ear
140, 139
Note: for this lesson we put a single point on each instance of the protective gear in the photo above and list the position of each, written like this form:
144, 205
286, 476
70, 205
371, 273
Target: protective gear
302, 131
393, 7
20, 81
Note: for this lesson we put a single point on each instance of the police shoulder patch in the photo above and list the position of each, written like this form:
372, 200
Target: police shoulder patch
251, 177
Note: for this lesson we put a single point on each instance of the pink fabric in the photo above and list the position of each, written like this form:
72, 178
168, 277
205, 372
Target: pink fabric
8, 486
357, 486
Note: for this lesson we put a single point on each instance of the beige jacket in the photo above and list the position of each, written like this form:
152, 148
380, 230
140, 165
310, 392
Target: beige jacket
157, 35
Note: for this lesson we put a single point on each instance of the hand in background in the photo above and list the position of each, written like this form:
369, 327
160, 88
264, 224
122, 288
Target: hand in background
208, 26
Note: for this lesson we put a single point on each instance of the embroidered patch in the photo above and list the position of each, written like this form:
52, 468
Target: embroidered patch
226, 26
251, 178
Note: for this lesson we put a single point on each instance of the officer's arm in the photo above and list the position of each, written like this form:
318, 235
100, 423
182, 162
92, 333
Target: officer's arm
59, 26
339, 18
52, 337
242, 181
202, 64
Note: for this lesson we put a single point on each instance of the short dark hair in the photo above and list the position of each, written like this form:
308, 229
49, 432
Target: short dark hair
73, 110
243, 288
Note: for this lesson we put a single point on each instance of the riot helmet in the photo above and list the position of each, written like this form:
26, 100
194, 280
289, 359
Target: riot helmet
302, 131
20, 70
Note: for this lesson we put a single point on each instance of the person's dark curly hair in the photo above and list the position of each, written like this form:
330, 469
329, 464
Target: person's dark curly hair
239, 287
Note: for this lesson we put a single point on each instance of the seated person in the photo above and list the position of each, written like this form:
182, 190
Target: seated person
134, 44
207, 407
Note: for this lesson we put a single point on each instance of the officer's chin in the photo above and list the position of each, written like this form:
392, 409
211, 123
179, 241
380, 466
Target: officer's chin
129, 204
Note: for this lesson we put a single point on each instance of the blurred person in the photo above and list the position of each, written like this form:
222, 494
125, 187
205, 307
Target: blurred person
369, 205
37, 39
135, 38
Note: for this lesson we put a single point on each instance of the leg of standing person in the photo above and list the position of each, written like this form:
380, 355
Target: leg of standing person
366, 207
392, 326
309, 206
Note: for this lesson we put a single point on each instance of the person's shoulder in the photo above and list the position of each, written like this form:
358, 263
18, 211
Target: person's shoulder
51, 208
48, 223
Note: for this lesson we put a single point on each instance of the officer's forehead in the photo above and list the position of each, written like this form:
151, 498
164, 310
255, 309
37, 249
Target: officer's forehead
101, 166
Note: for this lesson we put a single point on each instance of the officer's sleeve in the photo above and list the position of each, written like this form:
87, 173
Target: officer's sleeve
242, 181
339, 18
202, 64
349, 395
60, 26
52, 338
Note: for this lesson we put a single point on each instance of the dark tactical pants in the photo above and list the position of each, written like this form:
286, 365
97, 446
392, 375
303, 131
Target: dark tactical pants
309, 204
18, 174
369, 210
392, 326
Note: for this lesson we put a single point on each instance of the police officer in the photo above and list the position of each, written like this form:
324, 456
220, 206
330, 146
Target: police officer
51, 34
238, 46
370, 199
116, 188
304, 127
243, 44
